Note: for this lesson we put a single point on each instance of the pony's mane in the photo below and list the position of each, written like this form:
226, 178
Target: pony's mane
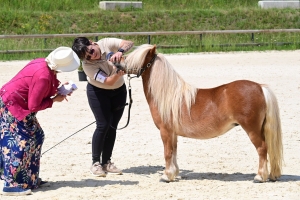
133, 60
167, 88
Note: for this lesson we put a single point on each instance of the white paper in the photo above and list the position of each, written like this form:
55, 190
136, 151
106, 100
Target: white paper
67, 89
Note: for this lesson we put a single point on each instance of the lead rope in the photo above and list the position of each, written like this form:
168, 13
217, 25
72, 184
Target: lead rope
129, 104
68, 137
129, 107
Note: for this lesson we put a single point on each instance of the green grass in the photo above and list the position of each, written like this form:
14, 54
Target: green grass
77, 16
148, 5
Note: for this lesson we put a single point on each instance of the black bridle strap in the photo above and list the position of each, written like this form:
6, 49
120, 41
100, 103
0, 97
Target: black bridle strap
147, 66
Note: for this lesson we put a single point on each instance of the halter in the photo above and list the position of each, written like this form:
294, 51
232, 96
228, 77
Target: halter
147, 66
140, 72
129, 86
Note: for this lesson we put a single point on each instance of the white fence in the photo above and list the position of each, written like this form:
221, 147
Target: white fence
148, 34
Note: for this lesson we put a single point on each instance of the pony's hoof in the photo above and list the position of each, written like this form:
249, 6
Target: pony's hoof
258, 179
164, 178
273, 178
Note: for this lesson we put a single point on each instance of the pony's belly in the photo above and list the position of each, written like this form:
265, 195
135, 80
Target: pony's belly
205, 132
202, 136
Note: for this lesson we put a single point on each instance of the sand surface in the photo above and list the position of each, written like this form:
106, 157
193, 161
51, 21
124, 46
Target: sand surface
219, 168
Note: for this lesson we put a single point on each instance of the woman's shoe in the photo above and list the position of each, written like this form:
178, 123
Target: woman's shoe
111, 168
42, 183
15, 191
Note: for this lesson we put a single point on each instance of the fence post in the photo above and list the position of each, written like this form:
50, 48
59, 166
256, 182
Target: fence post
252, 37
45, 42
201, 40
149, 39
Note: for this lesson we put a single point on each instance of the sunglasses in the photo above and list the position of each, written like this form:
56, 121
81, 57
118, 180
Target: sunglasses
90, 52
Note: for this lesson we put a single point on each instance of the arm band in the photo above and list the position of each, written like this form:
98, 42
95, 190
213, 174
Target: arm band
100, 76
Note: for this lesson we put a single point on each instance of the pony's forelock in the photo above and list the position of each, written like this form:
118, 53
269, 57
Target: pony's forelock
133, 60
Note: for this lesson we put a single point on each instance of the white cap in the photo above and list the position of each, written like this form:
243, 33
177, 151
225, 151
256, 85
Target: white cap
63, 59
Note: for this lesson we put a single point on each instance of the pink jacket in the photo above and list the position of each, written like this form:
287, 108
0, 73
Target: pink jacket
30, 90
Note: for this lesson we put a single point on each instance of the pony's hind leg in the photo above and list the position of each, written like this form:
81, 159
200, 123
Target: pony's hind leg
253, 125
265, 134
170, 150
263, 174
261, 148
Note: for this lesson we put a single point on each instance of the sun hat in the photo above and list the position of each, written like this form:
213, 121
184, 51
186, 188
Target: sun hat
63, 59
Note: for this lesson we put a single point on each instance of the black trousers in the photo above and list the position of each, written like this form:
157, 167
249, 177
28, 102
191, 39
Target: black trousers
108, 108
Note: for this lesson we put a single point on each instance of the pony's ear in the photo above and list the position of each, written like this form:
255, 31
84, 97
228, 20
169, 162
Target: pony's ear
153, 50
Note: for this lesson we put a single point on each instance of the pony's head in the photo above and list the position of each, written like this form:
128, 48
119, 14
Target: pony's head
164, 85
138, 60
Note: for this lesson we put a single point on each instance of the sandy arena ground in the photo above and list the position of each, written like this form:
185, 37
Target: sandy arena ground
219, 168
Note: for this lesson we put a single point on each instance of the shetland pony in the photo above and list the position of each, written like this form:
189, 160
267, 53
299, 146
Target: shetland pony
179, 109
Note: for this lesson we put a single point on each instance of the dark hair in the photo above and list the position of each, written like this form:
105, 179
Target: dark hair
80, 45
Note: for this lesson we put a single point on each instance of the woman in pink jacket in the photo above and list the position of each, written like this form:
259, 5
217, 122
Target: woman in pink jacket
32, 89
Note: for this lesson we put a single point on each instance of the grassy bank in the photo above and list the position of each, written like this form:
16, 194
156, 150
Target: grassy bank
76, 16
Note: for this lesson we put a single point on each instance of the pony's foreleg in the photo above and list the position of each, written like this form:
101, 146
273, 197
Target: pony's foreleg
170, 150
175, 154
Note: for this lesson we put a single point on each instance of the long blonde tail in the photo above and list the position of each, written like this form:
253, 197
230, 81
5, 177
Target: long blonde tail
272, 133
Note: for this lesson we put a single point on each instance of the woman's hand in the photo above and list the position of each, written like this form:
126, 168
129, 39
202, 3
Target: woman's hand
119, 73
116, 58
111, 80
59, 98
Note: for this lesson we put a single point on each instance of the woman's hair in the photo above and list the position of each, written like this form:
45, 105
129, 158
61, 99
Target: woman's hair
80, 45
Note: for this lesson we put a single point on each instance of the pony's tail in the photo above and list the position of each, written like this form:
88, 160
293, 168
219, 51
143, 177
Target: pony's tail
272, 133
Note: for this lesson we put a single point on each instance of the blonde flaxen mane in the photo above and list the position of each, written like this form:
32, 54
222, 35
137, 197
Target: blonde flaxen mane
168, 89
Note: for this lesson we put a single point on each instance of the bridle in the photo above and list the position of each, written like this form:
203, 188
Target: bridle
149, 64
140, 72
